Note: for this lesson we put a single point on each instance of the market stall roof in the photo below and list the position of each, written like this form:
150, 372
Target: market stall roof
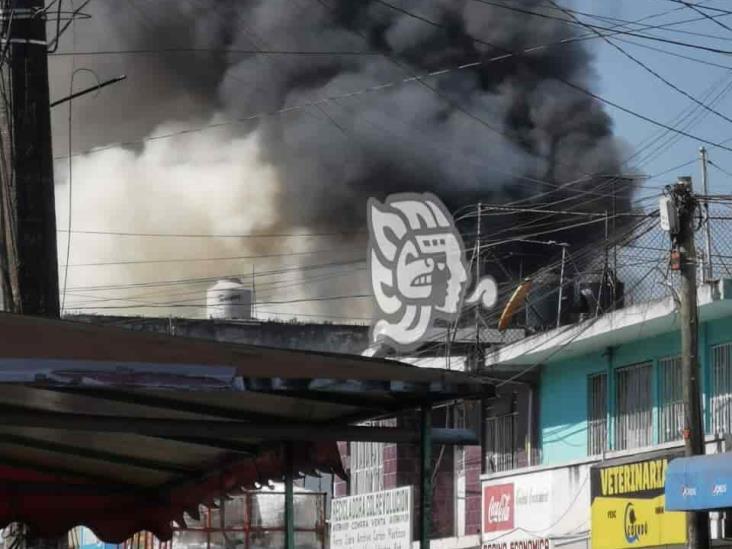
126, 431
699, 483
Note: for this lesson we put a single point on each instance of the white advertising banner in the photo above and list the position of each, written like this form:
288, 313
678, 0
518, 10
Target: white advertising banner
379, 520
536, 509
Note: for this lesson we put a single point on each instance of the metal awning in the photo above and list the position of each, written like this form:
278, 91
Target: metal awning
126, 431
699, 483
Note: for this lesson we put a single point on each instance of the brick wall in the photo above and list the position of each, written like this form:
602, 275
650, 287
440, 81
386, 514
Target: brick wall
340, 486
473, 457
390, 467
443, 494
401, 468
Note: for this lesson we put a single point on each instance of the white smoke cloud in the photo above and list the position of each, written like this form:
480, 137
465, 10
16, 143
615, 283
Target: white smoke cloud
208, 182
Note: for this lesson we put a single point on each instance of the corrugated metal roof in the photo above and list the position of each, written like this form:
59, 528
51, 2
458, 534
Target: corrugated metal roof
137, 428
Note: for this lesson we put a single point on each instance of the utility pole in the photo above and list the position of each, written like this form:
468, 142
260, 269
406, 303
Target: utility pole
561, 286
477, 280
478, 356
697, 524
27, 192
708, 269
32, 216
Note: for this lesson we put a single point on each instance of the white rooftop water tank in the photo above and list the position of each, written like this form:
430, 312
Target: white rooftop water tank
229, 299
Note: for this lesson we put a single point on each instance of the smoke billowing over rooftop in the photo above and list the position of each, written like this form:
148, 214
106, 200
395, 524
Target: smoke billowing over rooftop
498, 131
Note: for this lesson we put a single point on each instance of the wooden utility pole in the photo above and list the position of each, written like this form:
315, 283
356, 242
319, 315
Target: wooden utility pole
27, 191
697, 523
477, 281
32, 215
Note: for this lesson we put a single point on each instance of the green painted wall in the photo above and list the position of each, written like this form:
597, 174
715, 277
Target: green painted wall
563, 388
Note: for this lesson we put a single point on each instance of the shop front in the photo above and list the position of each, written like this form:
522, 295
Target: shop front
617, 503
537, 509
629, 504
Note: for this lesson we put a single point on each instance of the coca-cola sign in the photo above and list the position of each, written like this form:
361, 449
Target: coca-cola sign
498, 507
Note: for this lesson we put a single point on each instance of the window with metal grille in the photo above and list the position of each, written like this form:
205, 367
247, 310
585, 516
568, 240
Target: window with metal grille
634, 403
367, 462
721, 401
367, 467
671, 405
501, 451
597, 414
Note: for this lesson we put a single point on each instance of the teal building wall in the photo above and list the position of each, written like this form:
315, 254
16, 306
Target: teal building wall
563, 387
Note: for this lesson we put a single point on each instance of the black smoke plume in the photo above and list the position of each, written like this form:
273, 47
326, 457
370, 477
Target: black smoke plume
500, 131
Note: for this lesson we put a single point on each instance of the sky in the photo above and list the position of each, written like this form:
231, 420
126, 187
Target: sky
624, 82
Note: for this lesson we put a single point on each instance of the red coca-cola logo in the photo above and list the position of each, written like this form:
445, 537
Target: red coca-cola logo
498, 507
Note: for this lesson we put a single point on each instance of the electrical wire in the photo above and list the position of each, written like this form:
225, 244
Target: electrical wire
269, 288
645, 66
709, 8
241, 51
203, 305
505, 289
208, 279
600, 27
674, 54
384, 86
566, 82
74, 72
626, 23
217, 235
714, 20
718, 167
202, 259
561, 347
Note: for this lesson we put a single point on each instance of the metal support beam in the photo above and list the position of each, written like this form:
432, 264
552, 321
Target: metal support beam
158, 427
228, 444
289, 498
162, 402
44, 468
425, 477
88, 90
93, 454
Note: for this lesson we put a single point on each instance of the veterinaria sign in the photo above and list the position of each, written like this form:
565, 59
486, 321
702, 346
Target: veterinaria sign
418, 269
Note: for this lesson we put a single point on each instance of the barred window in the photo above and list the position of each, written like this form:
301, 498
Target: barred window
721, 401
597, 414
367, 462
367, 467
501, 443
634, 417
671, 405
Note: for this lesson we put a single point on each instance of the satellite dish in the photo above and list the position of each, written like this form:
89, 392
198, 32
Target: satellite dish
514, 303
